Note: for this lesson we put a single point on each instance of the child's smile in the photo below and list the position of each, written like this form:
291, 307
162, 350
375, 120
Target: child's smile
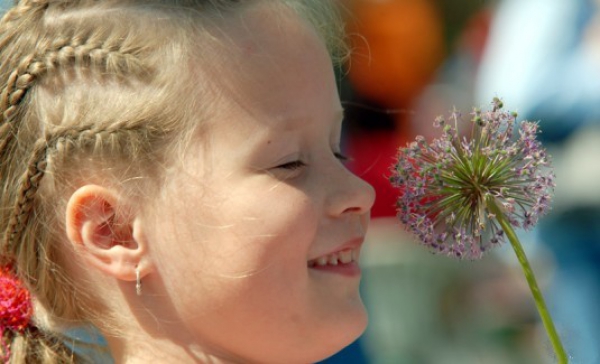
264, 212
344, 260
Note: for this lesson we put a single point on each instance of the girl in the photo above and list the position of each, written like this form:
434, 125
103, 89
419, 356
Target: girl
171, 176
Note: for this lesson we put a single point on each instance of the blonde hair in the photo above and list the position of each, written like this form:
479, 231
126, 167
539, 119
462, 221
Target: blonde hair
93, 89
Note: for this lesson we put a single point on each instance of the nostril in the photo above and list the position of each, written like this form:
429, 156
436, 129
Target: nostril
353, 210
361, 197
349, 194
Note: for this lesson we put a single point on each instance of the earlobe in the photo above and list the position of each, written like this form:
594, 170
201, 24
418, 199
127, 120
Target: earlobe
99, 225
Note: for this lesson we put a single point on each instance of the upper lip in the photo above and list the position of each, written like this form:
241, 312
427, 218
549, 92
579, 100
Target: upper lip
351, 244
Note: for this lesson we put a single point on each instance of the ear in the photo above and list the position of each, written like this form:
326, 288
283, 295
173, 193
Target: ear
100, 225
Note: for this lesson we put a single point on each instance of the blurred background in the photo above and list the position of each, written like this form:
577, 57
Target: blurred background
413, 60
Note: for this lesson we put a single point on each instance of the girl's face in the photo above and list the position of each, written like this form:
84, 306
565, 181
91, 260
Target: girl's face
257, 236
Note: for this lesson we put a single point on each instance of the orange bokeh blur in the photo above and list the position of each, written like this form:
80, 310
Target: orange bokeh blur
396, 47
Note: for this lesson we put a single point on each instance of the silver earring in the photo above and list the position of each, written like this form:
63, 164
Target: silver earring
138, 282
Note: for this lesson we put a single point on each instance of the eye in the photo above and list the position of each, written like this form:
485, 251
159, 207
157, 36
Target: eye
293, 165
341, 157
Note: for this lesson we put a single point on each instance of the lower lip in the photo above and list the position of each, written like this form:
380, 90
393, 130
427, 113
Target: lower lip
348, 270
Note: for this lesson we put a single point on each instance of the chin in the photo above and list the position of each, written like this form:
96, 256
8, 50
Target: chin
345, 333
322, 343
355, 320
358, 327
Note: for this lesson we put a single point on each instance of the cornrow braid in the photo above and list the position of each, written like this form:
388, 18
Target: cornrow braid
29, 183
10, 24
94, 91
61, 143
103, 53
18, 82
23, 16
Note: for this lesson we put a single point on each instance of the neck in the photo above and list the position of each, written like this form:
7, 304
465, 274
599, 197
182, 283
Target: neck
142, 347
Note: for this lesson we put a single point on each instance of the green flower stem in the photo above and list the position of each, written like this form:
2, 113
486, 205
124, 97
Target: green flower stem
561, 355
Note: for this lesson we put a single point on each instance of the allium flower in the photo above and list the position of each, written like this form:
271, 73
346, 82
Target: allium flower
461, 196
453, 188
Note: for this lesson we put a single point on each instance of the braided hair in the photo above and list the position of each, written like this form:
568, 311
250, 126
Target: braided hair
90, 89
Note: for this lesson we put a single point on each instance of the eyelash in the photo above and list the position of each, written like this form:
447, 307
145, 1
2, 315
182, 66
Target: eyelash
299, 164
341, 157
291, 166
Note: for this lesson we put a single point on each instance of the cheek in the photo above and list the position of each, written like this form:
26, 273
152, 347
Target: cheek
260, 233
240, 232
266, 220
251, 228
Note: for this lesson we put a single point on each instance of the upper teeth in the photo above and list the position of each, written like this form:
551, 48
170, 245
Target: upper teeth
342, 257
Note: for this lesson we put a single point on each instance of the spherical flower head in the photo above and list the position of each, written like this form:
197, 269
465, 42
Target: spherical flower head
15, 303
452, 188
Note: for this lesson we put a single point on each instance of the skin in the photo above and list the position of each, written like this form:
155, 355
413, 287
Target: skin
224, 250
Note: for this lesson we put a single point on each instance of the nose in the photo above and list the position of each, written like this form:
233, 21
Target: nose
349, 194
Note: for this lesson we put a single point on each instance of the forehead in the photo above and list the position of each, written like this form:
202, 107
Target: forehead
262, 52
